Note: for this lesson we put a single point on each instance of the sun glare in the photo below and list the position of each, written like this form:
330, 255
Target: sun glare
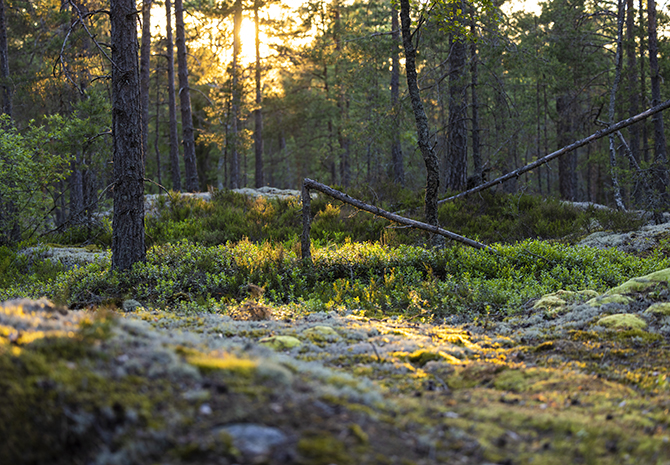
248, 42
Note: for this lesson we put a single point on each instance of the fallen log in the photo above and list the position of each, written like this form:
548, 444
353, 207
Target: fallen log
306, 218
568, 148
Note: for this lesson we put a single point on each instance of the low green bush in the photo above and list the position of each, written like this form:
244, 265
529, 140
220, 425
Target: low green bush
508, 218
359, 276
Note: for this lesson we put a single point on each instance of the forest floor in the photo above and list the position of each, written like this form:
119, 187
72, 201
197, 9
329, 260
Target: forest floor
573, 378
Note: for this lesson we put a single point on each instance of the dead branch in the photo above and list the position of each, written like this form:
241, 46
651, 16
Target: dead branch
311, 184
568, 148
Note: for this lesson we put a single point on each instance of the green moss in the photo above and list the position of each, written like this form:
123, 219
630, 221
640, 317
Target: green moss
659, 308
360, 435
550, 302
554, 302
321, 334
280, 342
55, 406
224, 362
609, 299
323, 449
622, 321
421, 357
637, 334
548, 345
643, 283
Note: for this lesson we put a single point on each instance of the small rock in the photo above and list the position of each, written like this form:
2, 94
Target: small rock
131, 305
205, 409
255, 442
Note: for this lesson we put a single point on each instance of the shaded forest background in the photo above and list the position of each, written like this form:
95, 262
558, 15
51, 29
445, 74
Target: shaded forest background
325, 96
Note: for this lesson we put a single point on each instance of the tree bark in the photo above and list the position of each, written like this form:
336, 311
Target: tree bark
659, 168
236, 98
76, 188
632, 75
474, 83
157, 134
145, 69
258, 112
342, 104
566, 165
422, 130
457, 130
621, 11
7, 207
188, 141
172, 104
128, 219
643, 86
4, 64
396, 149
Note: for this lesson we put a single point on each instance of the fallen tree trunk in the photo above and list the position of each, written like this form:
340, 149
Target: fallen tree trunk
568, 148
306, 218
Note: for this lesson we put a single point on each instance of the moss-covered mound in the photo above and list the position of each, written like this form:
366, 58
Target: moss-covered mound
574, 377
82, 387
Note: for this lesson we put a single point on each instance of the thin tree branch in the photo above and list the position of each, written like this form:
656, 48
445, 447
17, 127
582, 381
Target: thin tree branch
311, 184
568, 148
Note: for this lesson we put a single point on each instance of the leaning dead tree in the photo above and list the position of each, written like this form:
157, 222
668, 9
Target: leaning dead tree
307, 218
568, 148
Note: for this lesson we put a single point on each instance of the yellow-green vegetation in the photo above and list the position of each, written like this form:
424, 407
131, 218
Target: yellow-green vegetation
622, 321
382, 351
379, 280
557, 301
280, 342
321, 334
644, 283
659, 308
609, 299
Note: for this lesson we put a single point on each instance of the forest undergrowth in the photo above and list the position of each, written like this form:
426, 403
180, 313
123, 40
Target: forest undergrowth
381, 351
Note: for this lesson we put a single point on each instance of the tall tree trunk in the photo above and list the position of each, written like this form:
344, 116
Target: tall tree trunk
659, 169
330, 159
566, 164
342, 104
145, 68
621, 11
8, 224
538, 136
76, 188
396, 148
4, 64
172, 104
236, 98
422, 130
643, 86
128, 219
157, 135
190, 163
258, 112
457, 159
545, 131
632, 75
474, 83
